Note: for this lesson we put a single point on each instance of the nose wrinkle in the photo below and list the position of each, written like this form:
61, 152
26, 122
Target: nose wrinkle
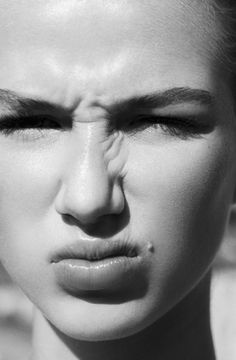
94, 164
95, 190
115, 154
100, 153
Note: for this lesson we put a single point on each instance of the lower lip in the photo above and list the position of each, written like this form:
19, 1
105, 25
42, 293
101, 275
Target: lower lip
106, 274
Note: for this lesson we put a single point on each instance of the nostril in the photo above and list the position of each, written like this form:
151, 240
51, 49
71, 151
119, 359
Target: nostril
69, 219
104, 227
92, 203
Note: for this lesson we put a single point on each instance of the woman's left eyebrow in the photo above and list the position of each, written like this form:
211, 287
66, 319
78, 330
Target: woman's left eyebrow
161, 99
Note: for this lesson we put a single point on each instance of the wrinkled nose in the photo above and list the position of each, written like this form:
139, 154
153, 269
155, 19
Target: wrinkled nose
90, 191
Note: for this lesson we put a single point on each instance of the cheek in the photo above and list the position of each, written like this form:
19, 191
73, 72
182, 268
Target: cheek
195, 176
179, 196
28, 184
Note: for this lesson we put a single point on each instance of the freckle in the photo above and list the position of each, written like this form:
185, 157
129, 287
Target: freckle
150, 247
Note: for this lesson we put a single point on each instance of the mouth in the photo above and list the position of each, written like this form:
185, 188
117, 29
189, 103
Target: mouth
96, 250
99, 265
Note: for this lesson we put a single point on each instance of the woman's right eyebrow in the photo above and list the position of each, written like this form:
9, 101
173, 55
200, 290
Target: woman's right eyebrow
24, 106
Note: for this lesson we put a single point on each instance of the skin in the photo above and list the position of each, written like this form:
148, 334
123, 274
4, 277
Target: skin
172, 192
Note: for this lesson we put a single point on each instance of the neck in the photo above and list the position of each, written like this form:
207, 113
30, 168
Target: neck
184, 333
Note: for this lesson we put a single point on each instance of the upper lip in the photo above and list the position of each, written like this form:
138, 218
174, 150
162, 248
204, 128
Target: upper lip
96, 250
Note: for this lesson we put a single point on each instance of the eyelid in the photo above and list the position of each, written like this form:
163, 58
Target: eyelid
180, 127
18, 120
196, 119
169, 119
27, 127
199, 114
14, 119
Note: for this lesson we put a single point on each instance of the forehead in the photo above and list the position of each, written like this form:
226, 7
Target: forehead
104, 46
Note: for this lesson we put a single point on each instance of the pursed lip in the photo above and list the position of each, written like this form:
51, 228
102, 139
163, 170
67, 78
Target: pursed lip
96, 250
110, 266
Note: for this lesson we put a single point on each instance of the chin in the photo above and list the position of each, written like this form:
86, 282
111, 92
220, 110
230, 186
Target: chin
95, 331
101, 334
101, 322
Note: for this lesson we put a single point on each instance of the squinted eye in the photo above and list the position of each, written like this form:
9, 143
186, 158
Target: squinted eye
30, 128
39, 123
178, 127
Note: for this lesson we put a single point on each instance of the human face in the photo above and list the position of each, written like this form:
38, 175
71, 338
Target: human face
109, 163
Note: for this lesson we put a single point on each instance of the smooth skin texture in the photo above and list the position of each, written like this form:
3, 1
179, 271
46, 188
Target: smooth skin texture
170, 184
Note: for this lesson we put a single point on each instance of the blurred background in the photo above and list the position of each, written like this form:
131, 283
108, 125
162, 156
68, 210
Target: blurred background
16, 310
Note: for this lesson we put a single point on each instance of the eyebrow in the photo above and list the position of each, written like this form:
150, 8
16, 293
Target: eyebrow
24, 106
173, 96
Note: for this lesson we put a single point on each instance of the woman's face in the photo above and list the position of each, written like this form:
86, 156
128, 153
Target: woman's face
130, 139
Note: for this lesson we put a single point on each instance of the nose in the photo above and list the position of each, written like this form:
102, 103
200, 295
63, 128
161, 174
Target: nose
89, 190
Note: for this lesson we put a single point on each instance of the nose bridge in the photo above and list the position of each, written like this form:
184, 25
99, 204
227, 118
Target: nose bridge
90, 186
91, 176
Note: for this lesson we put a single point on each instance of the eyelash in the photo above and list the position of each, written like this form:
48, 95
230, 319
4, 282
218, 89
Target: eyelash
37, 122
176, 127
